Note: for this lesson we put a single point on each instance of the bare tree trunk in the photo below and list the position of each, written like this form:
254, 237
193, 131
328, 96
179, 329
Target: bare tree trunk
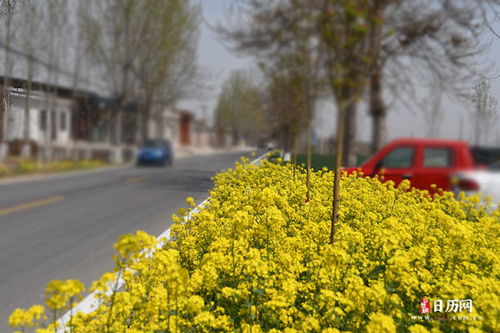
3, 127
110, 120
378, 132
378, 110
75, 111
294, 155
7, 62
159, 124
124, 91
52, 132
46, 129
26, 150
432, 112
118, 134
10, 5
477, 130
139, 125
52, 124
308, 164
119, 128
338, 161
145, 126
348, 153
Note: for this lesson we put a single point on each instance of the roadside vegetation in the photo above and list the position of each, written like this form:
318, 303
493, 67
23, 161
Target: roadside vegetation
258, 258
24, 167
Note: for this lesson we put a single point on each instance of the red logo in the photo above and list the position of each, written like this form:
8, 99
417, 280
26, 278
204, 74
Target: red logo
425, 306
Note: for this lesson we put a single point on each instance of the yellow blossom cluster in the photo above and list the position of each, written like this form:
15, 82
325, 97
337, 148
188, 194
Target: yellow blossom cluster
257, 258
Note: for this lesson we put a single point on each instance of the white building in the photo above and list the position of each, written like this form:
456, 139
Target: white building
49, 118
165, 127
181, 128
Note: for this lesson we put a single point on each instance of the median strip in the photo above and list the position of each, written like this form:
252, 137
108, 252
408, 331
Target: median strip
30, 205
91, 302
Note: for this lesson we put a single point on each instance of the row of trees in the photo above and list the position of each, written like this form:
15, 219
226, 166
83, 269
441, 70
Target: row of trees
353, 50
483, 114
132, 50
239, 108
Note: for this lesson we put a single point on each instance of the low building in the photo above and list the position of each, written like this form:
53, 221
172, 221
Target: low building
43, 119
64, 123
49, 119
183, 129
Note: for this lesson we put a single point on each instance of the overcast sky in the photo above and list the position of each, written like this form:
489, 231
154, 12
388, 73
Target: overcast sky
401, 122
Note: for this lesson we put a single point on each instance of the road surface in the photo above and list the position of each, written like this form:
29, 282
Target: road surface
65, 227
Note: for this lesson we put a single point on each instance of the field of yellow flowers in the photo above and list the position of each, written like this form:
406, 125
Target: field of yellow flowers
257, 258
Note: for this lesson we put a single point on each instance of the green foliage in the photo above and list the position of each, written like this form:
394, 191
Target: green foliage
345, 28
146, 49
319, 161
169, 32
26, 166
239, 105
291, 96
3, 170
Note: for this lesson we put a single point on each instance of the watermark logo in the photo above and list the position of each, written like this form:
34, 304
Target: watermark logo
453, 305
425, 306
442, 310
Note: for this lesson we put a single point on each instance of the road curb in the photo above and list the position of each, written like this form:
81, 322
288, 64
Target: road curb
61, 174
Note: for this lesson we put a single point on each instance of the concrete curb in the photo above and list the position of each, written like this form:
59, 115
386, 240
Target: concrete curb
60, 174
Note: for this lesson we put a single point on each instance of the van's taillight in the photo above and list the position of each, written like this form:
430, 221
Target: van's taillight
467, 185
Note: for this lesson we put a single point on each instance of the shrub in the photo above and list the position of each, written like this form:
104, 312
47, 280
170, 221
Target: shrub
257, 258
71, 164
27, 166
3, 170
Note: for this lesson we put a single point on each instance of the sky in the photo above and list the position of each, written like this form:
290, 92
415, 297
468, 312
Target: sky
214, 56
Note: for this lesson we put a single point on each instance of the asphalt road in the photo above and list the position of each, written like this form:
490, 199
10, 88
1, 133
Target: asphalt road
65, 227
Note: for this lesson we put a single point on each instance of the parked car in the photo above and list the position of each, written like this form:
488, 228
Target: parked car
485, 182
155, 152
450, 165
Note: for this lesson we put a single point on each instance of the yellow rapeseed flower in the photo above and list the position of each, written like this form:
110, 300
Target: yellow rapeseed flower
257, 257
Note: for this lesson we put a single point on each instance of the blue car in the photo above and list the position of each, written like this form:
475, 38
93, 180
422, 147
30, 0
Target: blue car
155, 152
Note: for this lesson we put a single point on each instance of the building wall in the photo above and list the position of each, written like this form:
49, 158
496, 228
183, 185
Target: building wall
169, 127
185, 130
16, 119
